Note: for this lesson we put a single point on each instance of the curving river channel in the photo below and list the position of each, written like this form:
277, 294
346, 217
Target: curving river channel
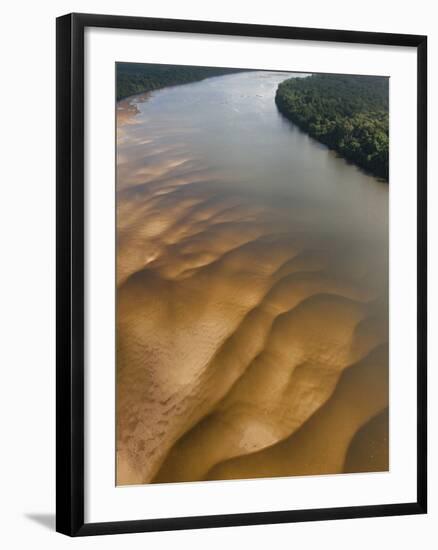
252, 313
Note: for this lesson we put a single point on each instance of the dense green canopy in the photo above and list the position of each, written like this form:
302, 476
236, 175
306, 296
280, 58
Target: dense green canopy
350, 114
135, 78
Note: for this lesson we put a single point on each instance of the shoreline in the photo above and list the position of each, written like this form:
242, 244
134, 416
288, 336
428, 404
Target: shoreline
357, 136
338, 153
180, 82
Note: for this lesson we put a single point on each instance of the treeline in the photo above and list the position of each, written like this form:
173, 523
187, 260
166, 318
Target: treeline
349, 114
135, 78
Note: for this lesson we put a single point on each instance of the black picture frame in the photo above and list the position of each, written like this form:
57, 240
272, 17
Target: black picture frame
70, 273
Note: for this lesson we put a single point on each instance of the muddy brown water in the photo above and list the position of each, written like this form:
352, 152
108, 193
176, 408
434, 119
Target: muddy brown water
252, 315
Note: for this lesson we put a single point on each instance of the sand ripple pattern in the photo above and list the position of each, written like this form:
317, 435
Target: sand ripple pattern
249, 344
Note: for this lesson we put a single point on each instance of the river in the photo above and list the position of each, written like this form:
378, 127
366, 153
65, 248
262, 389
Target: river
252, 268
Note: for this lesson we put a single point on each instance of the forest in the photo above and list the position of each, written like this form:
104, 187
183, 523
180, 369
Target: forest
135, 78
349, 114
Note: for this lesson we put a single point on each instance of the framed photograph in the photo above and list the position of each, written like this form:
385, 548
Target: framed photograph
241, 274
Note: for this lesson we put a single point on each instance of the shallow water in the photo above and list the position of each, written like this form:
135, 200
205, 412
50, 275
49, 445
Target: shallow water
252, 292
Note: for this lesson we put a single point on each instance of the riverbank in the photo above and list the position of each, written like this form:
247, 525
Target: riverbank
349, 114
137, 78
